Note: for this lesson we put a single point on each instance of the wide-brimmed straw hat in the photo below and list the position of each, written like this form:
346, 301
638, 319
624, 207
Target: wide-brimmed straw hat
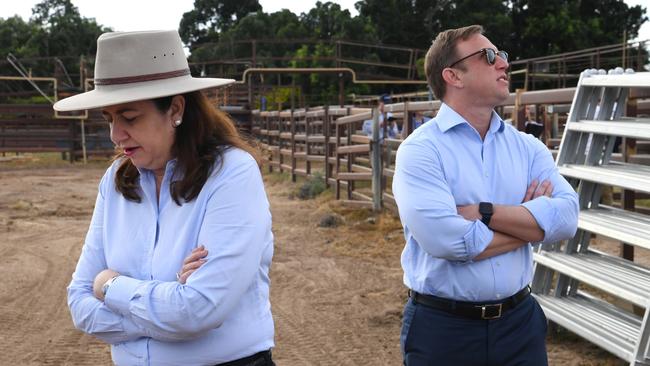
133, 66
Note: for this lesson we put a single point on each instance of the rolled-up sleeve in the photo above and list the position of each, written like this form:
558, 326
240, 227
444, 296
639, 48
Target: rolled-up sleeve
89, 314
428, 209
556, 215
235, 229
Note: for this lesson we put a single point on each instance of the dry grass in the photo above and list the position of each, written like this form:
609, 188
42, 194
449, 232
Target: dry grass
337, 292
363, 233
369, 236
12, 161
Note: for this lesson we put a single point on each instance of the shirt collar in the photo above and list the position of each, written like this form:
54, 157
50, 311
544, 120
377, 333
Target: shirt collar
448, 118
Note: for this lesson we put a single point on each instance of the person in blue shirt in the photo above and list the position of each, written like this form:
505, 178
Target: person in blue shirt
418, 119
392, 128
174, 268
473, 193
531, 125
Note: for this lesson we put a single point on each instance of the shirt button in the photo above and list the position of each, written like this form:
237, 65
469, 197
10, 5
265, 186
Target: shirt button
498, 264
498, 296
486, 174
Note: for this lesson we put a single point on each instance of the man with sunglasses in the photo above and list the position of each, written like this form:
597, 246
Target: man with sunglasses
473, 193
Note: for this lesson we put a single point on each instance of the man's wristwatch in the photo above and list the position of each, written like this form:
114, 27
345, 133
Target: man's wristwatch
108, 284
486, 209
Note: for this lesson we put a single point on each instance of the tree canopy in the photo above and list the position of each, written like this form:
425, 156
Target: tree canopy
220, 29
210, 18
525, 28
554, 26
56, 29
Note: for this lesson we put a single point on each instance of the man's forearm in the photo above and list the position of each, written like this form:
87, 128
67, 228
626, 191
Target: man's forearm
516, 221
501, 243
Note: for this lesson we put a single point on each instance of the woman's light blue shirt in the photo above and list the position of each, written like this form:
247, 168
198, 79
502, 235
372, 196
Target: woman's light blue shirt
223, 311
444, 164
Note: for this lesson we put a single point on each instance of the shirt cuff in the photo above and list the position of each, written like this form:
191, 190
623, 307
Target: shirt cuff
119, 294
131, 328
542, 211
477, 239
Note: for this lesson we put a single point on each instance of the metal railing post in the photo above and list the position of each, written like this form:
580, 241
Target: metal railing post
375, 158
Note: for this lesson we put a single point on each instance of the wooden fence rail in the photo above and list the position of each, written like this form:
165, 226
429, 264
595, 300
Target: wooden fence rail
330, 140
33, 128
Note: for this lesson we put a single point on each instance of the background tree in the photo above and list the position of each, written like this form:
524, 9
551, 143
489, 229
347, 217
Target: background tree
528, 28
51, 43
401, 22
15, 34
64, 32
547, 27
493, 15
328, 21
220, 31
210, 17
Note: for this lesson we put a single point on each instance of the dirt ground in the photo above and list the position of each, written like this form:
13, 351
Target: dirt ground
336, 293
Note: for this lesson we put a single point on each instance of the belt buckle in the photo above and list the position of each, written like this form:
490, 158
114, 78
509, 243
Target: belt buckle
486, 312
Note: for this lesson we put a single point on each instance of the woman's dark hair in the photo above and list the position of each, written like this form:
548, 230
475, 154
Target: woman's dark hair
200, 142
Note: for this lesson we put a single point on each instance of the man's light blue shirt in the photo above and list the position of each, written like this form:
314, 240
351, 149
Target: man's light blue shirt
444, 164
222, 312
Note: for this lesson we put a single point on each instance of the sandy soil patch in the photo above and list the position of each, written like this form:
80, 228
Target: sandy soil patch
337, 293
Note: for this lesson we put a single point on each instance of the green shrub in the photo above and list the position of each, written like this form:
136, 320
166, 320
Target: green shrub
312, 187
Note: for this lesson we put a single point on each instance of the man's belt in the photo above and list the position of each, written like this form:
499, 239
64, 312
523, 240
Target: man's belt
471, 310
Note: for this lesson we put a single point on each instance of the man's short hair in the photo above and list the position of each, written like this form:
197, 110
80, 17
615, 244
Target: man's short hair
442, 53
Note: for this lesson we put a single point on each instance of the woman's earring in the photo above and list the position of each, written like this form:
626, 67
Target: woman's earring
177, 122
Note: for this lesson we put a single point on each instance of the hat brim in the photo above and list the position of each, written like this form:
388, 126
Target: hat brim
107, 95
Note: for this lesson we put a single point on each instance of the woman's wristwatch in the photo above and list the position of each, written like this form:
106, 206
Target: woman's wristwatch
108, 284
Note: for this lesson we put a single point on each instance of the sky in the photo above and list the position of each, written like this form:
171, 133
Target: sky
132, 15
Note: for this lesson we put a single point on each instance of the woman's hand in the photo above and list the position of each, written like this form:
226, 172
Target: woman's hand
100, 280
192, 263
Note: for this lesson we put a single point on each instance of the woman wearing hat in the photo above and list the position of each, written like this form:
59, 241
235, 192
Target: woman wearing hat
174, 269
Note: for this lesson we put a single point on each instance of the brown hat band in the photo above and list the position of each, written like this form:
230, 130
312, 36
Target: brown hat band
139, 78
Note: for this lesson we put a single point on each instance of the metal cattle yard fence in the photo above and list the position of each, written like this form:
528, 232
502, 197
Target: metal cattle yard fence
359, 165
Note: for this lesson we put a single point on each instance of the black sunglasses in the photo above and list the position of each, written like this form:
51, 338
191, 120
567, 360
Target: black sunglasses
490, 56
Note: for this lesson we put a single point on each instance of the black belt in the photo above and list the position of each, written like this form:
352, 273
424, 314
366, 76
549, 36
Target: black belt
471, 309
259, 359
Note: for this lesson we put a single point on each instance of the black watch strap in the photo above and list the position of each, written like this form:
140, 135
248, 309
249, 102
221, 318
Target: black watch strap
486, 209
